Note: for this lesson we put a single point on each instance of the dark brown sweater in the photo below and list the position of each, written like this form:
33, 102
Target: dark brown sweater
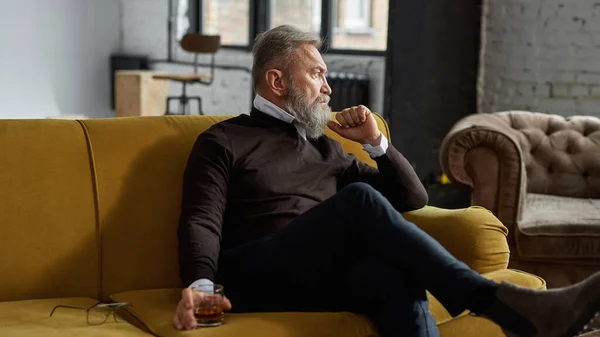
250, 176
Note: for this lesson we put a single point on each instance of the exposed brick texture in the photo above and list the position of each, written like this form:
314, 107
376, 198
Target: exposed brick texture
540, 55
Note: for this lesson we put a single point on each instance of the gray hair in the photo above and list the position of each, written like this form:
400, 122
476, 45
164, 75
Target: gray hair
273, 49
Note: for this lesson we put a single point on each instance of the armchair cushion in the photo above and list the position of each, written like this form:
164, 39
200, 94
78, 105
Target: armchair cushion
473, 235
559, 228
560, 216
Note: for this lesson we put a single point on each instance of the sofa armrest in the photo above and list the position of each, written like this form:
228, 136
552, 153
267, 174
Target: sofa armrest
473, 235
483, 152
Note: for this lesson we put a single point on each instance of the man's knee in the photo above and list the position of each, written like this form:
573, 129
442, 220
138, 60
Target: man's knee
363, 195
359, 189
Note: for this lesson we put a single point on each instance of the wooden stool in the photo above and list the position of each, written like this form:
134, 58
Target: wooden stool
195, 43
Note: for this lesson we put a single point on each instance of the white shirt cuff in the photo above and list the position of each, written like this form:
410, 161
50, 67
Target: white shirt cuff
201, 282
377, 151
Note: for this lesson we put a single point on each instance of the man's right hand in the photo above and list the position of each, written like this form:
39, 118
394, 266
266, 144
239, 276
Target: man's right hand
184, 314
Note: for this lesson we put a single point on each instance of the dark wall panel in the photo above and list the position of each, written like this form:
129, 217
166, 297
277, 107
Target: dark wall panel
431, 74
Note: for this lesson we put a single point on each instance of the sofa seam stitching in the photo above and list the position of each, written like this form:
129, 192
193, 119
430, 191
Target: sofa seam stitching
96, 204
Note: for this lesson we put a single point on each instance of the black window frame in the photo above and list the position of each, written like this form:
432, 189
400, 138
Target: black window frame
259, 21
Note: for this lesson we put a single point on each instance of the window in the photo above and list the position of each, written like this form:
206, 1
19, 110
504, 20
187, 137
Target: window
356, 15
228, 18
360, 24
300, 13
346, 26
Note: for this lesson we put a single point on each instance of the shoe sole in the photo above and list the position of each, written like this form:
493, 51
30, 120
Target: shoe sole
576, 328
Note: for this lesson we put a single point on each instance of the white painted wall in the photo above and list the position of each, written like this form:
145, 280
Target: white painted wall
55, 57
145, 32
541, 55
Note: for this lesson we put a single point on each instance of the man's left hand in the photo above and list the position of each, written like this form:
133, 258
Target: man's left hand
358, 124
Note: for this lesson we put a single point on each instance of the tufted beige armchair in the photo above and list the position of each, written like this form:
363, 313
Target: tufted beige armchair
540, 175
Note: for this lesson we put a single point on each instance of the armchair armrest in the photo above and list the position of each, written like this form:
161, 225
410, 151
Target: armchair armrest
483, 152
473, 235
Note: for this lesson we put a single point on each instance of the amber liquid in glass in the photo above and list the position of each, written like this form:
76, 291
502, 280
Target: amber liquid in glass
212, 314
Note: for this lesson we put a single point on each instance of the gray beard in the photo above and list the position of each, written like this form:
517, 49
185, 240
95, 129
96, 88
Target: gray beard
311, 116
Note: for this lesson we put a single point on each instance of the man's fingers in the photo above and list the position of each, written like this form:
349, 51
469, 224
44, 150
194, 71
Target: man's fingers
185, 318
190, 320
355, 113
335, 127
176, 322
364, 113
226, 302
349, 116
353, 116
187, 295
179, 318
340, 118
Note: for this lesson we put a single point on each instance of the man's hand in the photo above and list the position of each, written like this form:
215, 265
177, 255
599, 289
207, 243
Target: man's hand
357, 124
184, 314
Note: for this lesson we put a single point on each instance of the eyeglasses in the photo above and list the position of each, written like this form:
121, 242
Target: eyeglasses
98, 313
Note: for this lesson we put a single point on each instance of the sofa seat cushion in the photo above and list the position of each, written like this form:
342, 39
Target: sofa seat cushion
560, 216
559, 227
154, 311
32, 318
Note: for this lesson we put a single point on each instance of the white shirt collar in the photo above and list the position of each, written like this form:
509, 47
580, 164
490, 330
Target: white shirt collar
273, 110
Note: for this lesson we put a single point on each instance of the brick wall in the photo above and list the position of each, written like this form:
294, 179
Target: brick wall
540, 55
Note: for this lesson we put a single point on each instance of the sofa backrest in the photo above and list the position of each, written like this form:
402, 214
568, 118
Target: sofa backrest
561, 155
90, 208
138, 164
48, 223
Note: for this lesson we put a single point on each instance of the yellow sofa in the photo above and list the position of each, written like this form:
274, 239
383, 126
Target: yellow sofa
89, 210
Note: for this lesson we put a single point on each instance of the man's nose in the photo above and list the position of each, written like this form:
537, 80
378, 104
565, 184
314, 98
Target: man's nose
325, 88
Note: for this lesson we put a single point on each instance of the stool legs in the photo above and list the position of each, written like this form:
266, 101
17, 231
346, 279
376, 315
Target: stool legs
183, 107
197, 98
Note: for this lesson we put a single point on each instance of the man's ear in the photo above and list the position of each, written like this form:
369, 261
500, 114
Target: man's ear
275, 81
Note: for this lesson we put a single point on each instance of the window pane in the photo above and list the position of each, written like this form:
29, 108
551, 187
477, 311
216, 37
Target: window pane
228, 18
360, 24
304, 14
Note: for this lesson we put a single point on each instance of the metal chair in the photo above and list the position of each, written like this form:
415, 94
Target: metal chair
195, 43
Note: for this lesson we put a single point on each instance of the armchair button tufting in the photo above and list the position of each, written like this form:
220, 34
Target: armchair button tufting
586, 174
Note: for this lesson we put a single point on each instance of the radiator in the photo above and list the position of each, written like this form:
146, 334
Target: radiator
348, 90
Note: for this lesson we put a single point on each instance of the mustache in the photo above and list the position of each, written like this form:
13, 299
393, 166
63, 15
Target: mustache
323, 99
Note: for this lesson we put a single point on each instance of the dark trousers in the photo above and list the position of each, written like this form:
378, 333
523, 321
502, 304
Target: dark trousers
353, 252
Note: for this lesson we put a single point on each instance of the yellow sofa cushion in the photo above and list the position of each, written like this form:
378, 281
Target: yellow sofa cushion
154, 311
139, 164
473, 235
32, 319
49, 246
139, 168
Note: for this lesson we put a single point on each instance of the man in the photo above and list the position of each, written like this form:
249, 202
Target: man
287, 221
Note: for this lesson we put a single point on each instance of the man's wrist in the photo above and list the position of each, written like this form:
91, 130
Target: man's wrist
201, 282
379, 150
374, 141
